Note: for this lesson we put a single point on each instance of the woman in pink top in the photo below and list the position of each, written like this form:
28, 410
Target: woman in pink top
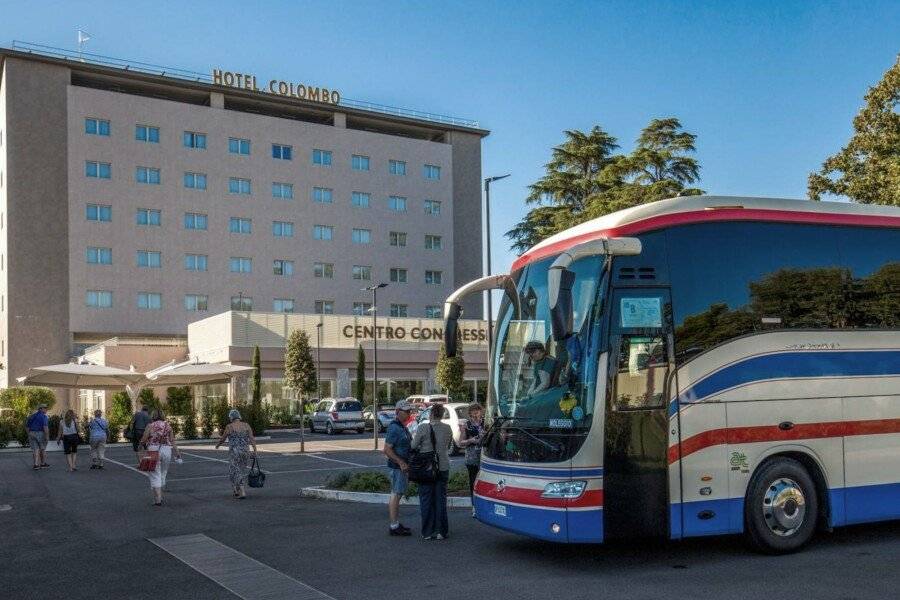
159, 436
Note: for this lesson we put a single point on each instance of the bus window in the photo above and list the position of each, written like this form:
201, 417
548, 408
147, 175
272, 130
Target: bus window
641, 373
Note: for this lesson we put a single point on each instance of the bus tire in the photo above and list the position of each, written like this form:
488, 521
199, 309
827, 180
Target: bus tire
781, 508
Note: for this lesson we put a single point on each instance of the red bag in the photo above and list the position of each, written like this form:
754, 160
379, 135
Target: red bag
149, 461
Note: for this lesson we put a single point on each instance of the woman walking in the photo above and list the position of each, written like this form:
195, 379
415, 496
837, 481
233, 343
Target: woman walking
99, 430
68, 434
158, 436
433, 496
471, 438
240, 440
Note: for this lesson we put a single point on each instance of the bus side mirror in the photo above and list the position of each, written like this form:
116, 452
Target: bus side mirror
452, 312
560, 282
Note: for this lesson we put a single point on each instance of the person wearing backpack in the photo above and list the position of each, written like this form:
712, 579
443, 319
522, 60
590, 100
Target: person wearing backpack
99, 431
38, 425
434, 436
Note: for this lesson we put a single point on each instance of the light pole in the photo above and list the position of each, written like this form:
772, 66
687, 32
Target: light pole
374, 289
487, 216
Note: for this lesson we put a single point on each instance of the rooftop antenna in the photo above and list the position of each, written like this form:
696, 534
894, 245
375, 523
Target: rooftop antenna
83, 36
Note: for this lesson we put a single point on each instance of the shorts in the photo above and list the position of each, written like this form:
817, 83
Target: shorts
399, 481
70, 443
37, 440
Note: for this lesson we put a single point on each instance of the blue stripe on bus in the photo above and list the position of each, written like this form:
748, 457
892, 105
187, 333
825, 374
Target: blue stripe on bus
786, 365
556, 473
575, 526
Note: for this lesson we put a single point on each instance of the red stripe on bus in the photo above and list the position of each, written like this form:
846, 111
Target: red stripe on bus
589, 499
773, 433
705, 216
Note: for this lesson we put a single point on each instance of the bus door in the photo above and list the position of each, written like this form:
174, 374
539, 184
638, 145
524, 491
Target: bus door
635, 468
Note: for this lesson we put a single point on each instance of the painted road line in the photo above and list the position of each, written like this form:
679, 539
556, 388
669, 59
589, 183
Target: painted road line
241, 575
129, 467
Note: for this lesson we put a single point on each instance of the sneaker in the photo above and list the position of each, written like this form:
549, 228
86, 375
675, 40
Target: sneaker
401, 531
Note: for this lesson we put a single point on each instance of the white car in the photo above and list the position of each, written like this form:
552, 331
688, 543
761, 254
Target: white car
456, 415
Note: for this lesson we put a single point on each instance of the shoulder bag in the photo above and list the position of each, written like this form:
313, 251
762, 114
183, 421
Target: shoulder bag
256, 478
423, 466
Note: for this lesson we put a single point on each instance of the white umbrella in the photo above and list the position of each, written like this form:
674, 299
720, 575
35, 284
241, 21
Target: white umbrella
191, 373
81, 376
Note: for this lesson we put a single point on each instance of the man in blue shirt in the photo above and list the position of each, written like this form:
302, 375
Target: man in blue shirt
38, 425
397, 443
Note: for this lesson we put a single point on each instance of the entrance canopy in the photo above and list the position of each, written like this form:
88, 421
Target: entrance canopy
81, 376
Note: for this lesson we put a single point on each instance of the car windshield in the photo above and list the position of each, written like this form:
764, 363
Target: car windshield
542, 398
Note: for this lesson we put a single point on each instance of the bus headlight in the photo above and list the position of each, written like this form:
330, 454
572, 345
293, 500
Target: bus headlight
564, 489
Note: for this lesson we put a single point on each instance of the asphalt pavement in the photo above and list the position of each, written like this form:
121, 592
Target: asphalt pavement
86, 535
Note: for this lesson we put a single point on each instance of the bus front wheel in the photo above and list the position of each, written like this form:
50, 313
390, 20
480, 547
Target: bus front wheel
782, 507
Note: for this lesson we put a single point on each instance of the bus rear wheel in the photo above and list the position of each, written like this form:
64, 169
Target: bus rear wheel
782, 508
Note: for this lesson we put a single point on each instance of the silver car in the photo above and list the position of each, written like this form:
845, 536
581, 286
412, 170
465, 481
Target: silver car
337, 414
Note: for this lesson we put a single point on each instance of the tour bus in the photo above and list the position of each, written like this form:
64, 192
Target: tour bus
696, 366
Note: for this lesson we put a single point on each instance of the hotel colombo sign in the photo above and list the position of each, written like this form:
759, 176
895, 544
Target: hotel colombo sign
277, 87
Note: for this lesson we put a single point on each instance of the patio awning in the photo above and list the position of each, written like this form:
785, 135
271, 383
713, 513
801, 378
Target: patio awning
194, 374
81, 376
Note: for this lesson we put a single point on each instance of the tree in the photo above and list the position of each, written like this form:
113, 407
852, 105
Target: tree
256, 381
299, 367
867, 169
23, 401
450, 375
360, 374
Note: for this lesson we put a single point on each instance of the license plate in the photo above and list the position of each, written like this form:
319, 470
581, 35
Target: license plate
500, 510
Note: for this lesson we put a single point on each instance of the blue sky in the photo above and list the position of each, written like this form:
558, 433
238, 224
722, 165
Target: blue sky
769, 88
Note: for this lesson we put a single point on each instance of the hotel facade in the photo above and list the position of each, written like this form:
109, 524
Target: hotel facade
134, 203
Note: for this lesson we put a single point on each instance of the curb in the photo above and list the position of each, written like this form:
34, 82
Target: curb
373, 498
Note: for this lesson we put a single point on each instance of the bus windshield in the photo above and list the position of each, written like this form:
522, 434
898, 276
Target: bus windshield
542, 396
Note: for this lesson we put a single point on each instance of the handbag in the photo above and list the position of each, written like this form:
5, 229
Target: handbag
149, 461
423, 466
256, 478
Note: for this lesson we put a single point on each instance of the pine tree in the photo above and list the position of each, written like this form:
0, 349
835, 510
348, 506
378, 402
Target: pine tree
360, 374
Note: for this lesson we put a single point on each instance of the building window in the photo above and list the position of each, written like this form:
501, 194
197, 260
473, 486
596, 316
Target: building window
98, 299
195, 262
149, 216
322, 195
149, 301
397, 203
240, 264
398, 275
359, 163
149, 259
198, 221
239, 225
195, 181
399, 310
97, 170
194, 140
360, 199
283, 305
238, 146
361, 308
284, 268
323, 270
323, 232
432, 207
433, 312
236, 185
98, 212
321, 157
99, 256
324, 307
398, 239
196, 302
282, 191
281, 152
362, 236
433, 242
362, 273
397, 167
282, 229
432, 172
433, 277
241, 303
96, 127
148, 175
146, 133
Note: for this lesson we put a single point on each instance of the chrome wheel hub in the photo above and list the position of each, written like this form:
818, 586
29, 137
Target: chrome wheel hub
784, 506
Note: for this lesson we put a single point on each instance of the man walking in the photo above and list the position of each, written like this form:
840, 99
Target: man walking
139, 423
38, 425
397, 447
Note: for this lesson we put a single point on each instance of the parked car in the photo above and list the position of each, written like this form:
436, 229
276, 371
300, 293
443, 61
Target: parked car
385, 416
456, 416
337, 414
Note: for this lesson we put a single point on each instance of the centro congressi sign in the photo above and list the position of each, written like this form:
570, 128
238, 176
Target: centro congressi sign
276, 87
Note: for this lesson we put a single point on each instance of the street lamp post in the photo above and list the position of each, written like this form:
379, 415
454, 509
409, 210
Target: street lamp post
374, 289
487, 216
